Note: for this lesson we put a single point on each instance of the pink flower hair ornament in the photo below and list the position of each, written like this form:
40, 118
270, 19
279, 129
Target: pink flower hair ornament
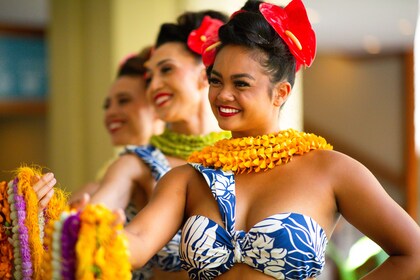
204, 36
125, 59
293, 26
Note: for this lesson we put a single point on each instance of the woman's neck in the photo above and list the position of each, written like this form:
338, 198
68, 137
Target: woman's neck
194, 126
200, 123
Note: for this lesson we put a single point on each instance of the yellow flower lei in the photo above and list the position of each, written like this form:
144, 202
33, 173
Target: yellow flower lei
102, 249
254, 154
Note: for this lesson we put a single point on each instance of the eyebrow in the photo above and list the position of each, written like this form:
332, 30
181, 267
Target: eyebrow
235, 76
147, 64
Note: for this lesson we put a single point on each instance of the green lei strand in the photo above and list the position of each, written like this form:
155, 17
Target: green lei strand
181, 145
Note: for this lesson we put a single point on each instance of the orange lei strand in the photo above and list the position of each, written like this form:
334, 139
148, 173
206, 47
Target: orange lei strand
46, 269
255, 154
6, 248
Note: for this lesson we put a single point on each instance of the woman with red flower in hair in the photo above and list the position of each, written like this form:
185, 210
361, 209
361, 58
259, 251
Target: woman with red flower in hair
263, 204
177, 87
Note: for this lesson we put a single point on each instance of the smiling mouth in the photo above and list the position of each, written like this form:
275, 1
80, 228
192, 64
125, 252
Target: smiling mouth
161, 99
227, 111
114, 126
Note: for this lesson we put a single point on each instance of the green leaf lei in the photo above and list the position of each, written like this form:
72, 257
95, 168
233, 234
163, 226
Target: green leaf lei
181, 145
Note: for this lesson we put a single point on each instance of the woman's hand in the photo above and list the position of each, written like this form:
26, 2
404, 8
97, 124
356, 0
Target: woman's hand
43, 187
80, 202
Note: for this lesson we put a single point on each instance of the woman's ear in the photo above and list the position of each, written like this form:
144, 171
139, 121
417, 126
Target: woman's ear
281, 92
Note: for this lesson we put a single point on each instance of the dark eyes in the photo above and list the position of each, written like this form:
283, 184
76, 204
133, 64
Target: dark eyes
123, 100
147, 80
120, 101
237, 83
165, 69
214, 81
106, 104
241, 84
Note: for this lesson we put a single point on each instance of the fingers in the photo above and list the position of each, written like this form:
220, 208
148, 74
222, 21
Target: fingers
44, 189
44, 185
80, 203
43, 202
119, 217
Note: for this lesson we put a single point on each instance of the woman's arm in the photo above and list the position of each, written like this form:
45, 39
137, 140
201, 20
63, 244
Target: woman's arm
365, 204
116, 187
159, 221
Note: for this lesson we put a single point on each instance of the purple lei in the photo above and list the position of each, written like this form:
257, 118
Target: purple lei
25, 251
70, 233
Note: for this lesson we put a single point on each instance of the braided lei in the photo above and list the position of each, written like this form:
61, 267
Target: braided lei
255, 154
181, 146
57, 243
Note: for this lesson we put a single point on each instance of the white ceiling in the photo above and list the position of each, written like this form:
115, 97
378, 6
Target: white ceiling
344, 25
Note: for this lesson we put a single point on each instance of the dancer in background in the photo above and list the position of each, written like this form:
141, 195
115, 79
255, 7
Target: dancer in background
178, 89
129, 117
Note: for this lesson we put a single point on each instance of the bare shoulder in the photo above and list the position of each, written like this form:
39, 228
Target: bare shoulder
182, 171
347, 176
128, 165
175, 181
336, 163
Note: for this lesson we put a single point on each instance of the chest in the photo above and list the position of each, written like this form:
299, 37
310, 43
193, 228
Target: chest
292, 188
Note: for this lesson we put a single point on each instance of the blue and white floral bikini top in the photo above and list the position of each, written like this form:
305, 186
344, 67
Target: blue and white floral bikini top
167, 259
284, 246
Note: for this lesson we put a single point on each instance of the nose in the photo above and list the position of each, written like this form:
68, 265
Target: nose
111, 109
155, 83
225, 94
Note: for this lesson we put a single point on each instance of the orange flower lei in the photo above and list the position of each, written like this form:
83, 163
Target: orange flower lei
6, 248
254, 154
102, 250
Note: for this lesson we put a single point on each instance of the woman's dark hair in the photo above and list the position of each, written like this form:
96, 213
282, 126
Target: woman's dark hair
185, 23
134, 66
250, 29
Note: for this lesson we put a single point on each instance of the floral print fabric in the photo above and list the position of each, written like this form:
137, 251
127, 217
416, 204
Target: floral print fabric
284, 246
167, 259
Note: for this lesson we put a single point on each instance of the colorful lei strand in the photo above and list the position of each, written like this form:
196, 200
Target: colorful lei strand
27, 224
260, 153
86, 245
71, 245
6, 248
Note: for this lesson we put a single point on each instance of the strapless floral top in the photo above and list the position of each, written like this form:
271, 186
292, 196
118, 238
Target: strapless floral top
284, 245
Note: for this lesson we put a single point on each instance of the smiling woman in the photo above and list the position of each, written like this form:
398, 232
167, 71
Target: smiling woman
128, 116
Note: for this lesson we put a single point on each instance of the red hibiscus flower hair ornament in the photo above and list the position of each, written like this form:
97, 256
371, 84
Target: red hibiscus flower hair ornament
293, 26
199, 38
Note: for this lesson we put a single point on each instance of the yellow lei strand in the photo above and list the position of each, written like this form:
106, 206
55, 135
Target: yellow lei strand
102, 249
254, 154
58, 203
